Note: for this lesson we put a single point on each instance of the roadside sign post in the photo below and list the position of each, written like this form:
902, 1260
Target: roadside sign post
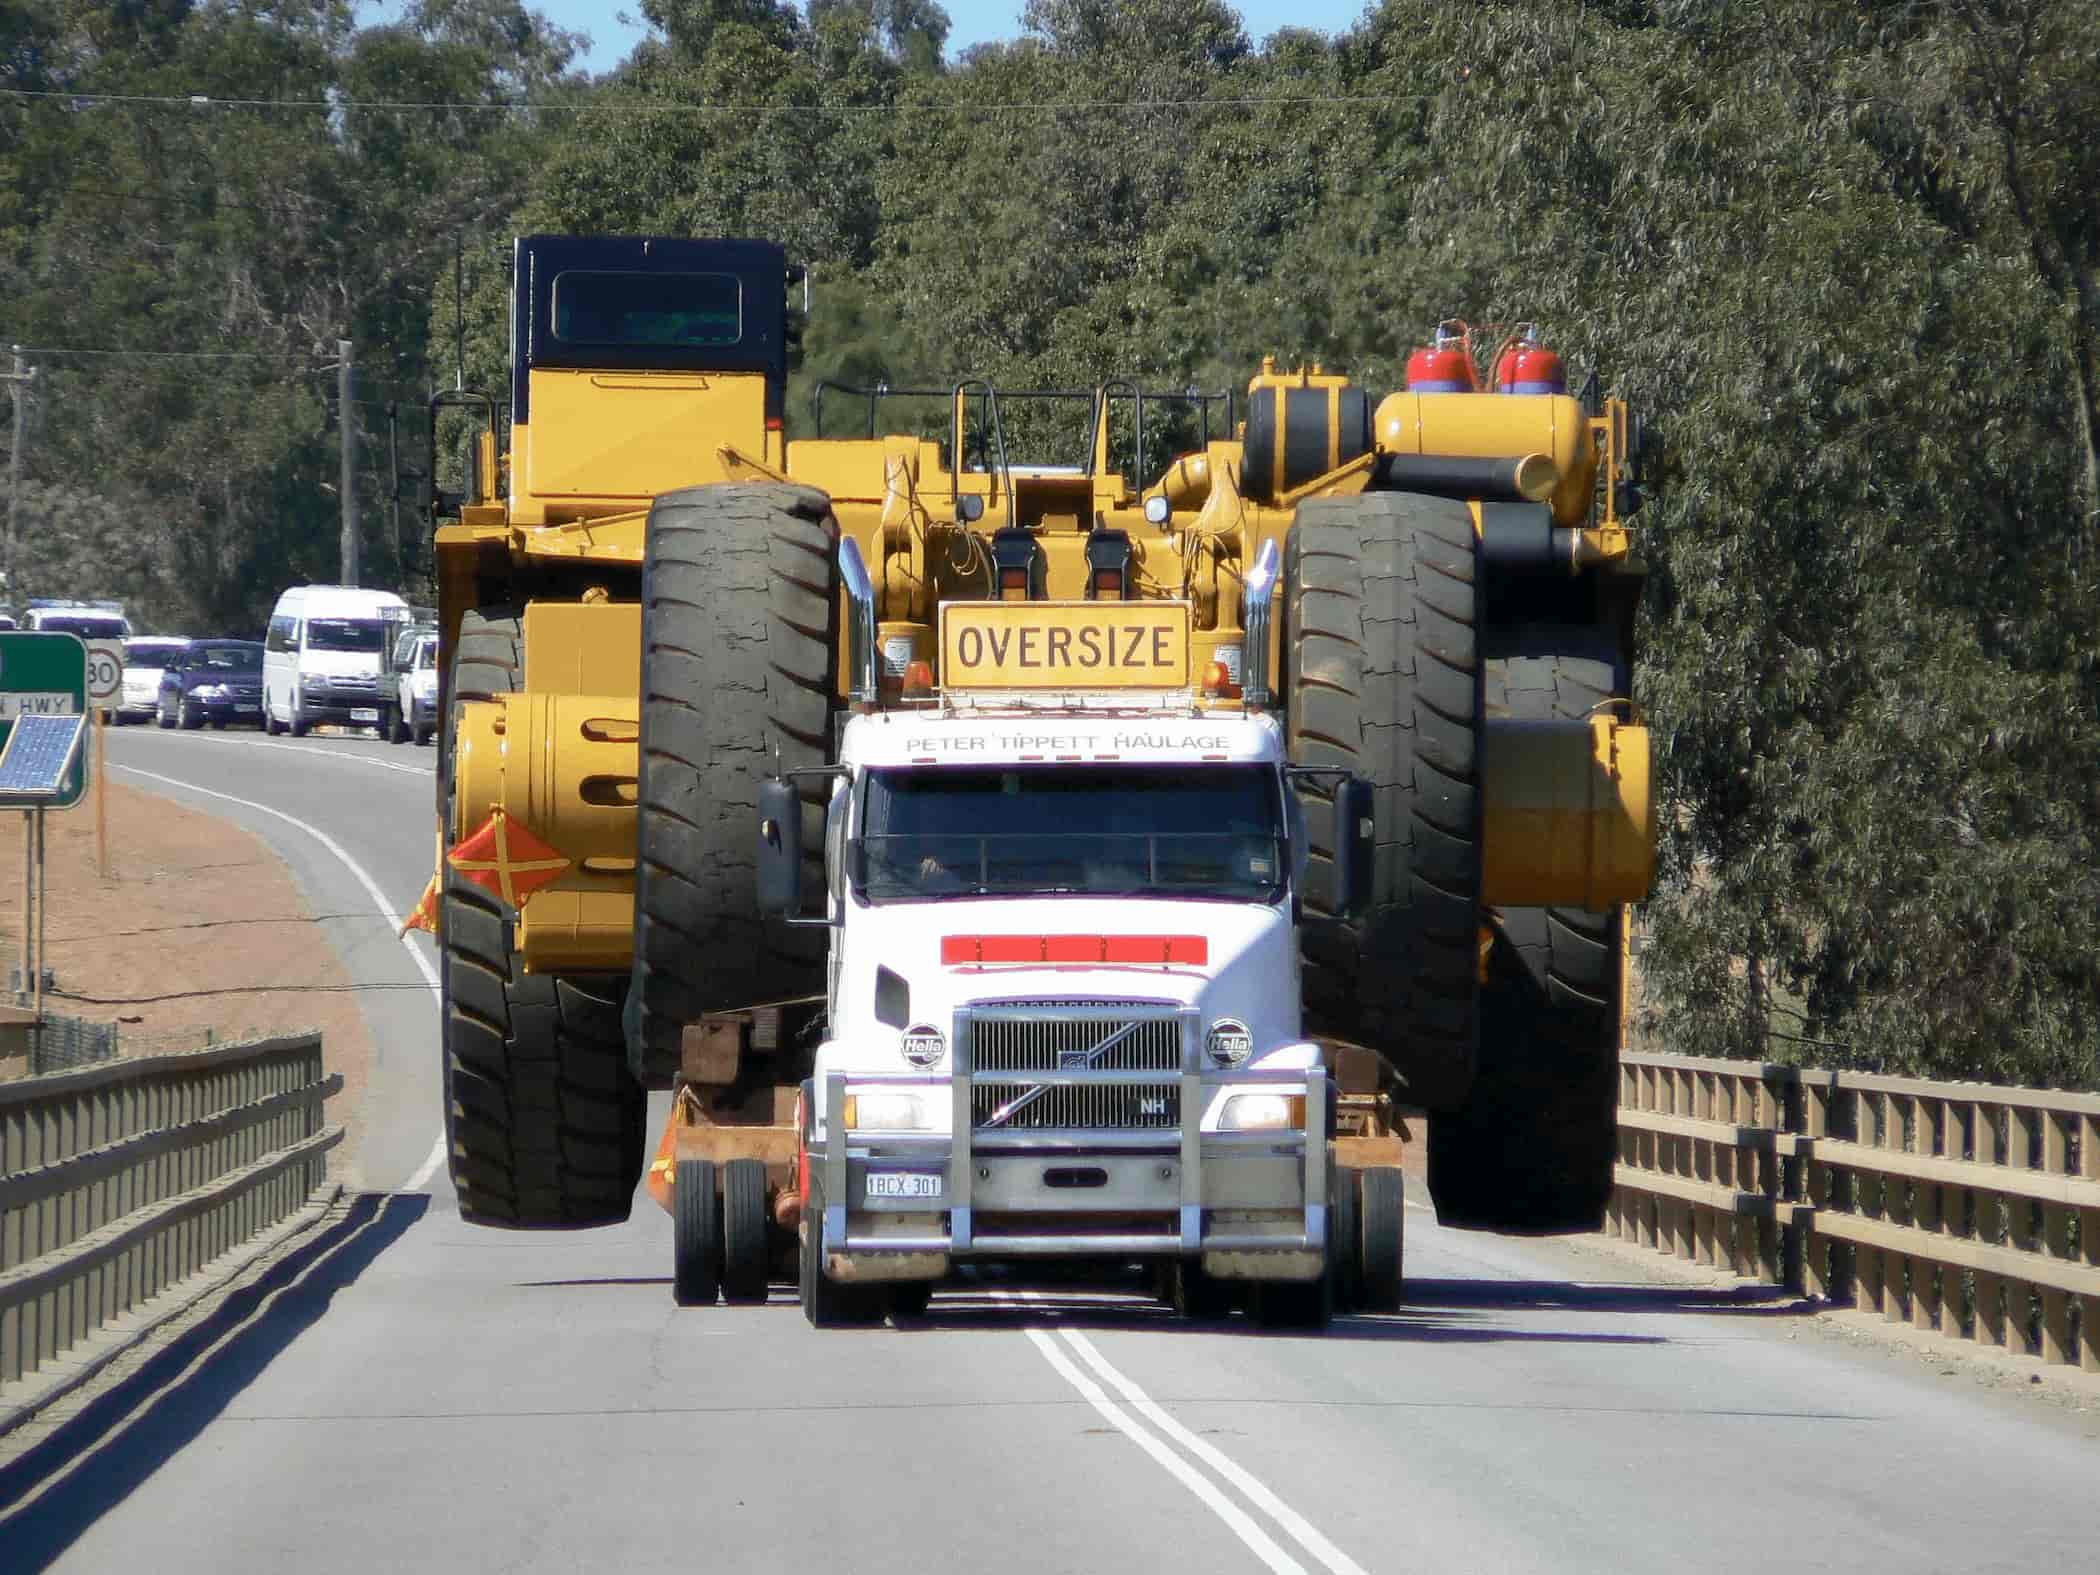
35, 762
105, 685
43, 711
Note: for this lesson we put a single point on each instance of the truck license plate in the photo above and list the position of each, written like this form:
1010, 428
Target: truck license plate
364, 714
903, 1184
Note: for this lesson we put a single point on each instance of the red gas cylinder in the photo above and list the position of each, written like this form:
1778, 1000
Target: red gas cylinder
1506, 370
1444, 366
1537, 371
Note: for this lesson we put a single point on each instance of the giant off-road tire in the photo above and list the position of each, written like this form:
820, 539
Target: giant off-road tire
739, 643
1382, 677
1532, 1148
543, 1123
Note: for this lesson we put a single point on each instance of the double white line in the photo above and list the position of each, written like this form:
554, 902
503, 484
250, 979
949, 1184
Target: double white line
1061, 1346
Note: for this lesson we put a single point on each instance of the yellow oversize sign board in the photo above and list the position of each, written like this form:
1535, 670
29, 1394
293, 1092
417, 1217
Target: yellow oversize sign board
1064, 645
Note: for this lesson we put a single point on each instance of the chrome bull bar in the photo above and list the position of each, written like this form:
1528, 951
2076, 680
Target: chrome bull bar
959, 1149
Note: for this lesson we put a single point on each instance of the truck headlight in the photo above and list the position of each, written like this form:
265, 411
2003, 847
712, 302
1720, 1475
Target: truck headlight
885, 1112
1263, 1113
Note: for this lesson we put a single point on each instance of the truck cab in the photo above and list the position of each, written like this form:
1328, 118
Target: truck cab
1063, 1006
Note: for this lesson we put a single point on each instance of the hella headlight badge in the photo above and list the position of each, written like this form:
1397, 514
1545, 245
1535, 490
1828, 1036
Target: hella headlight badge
1228, 1043
923, 1044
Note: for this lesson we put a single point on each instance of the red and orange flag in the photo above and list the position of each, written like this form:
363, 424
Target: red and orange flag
424, 915
505, 858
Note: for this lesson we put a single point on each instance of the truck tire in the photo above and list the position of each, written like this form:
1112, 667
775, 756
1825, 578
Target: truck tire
1532, 1148
739, 649
747, 1247
696, 1234
1198, 1295
1382, 1240
1346, 1232
544, 1126
1382, 676
825, 1302
543, 1123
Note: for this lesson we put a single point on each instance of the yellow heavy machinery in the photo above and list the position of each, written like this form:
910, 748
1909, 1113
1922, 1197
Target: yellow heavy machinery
642, 617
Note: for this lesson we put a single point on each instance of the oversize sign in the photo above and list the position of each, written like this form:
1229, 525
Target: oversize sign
45, 674
1064, 645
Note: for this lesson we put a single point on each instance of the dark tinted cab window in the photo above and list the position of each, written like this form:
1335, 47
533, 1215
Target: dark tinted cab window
616, 308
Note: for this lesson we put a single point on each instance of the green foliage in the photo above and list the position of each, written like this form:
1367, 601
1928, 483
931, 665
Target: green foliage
1844, 257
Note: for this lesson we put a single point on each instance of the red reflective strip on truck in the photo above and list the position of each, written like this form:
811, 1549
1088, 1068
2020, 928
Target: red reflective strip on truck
1152, 950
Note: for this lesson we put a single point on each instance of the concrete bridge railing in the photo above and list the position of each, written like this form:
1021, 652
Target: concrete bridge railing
1965, 1208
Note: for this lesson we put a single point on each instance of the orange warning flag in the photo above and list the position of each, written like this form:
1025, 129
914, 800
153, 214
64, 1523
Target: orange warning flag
505, 858
424, 915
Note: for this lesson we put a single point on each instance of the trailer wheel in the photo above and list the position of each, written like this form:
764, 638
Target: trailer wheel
1533, 1146
1382, 1239
1345, 1233
739, 643
1382, 676
747, 1248
543, 1124
696, 1234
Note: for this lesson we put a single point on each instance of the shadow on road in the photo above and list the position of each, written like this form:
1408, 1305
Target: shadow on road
1761, 1300
60, 1488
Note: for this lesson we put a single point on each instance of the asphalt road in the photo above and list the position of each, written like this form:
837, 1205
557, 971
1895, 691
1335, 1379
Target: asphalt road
406, 1392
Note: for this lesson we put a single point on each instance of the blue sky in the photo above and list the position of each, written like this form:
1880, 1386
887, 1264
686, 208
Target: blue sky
974, 21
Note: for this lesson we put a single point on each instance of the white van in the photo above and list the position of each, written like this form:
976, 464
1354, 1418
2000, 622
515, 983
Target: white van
324, 658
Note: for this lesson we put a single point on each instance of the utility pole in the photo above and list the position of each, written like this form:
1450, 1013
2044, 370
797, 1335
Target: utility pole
18, 382
346, 402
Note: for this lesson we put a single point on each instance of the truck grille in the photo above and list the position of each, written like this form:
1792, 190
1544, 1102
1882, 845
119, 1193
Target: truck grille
1053, 1044
1125, 1108
1076, 1036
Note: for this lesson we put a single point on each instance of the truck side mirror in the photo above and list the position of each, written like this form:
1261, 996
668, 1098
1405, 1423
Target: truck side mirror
1354, 837
779, 849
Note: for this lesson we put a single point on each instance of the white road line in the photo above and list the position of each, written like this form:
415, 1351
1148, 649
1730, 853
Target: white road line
1256, 1491
314, 749
371, 886
1241, 1523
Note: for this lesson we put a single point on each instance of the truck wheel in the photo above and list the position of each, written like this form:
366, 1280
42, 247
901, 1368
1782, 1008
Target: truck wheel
747, 1250
1532, 1148
1345, 1233
696, 1234
825, 1302
1382, 1239
1292, 1304
739, 647
543, 1123
1198, 1295
1382, 676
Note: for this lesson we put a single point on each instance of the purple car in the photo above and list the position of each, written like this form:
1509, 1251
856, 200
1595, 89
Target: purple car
215, 681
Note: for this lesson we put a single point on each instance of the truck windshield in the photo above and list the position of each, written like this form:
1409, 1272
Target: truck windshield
1156, 831
346, 634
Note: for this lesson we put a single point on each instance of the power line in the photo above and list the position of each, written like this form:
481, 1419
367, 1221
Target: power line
172, 355
630, 108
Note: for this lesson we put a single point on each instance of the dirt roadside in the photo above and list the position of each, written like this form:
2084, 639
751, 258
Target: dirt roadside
198, 934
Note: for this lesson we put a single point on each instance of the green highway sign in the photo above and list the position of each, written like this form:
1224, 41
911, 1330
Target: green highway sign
45, 675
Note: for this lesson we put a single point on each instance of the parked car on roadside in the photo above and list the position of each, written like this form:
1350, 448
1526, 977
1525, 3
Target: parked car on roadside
215, 681
146, 657
413, 713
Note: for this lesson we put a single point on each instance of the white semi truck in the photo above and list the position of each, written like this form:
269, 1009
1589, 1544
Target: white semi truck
1063, 1016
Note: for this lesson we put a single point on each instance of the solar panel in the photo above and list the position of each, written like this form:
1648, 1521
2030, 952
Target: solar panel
39, 752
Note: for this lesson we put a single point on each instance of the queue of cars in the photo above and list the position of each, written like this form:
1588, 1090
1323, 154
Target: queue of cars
332, 655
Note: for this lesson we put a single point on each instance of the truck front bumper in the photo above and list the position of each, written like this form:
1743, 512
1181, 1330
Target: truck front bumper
1247, 1205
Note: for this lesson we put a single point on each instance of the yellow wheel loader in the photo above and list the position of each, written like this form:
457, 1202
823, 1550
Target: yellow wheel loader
643, 620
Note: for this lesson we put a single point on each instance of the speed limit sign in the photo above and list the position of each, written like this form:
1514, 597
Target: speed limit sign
105, 670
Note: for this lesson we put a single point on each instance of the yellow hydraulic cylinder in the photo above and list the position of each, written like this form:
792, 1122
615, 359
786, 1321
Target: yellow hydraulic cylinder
1568, 813
564, 766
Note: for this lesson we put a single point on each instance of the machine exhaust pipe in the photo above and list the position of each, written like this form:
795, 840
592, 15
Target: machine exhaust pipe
1527, 478
1257, 607
860, 625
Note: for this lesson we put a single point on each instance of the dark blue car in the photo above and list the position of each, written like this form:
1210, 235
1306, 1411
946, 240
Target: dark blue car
215, 681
